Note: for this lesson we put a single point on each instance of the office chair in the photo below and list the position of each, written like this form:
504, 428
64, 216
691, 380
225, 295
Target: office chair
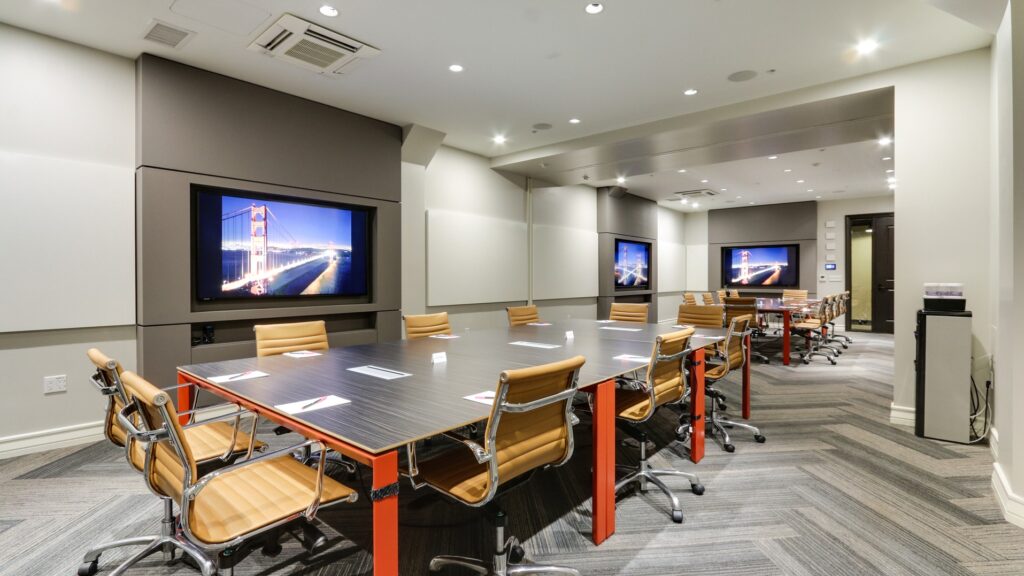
217, 443
521, 315
636, 403
700, 315
690, 299
809, 327
734, 293
721, 296
232, 510
746, 307
623, 312
789, 294
828, 340
842, 308
735, 357
529, 428
708, 299
424, 325
276, 339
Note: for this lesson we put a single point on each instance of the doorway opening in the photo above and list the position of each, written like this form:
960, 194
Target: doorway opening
869, 272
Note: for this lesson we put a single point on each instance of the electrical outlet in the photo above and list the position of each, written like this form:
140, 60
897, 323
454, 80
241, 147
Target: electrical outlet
55, 384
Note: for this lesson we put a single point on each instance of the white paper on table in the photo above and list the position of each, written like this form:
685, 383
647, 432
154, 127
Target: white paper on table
438, 358
378, 372
535, 345
237, 377
621, 329
605, 321
444, 336
632, 358
683, 326
312, 404
539, 324
486, 398
302, 354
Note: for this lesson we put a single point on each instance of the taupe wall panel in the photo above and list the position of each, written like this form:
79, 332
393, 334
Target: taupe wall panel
626, 215
197, 121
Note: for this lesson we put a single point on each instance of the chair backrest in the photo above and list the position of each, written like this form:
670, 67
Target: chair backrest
274, 339
734, 293
423, 325
689, 298
708, 299
789, 294
666, 381
520, 315
624, 312
721, 296
530, 424
108, 379
170, 465
740, 306
698, 315
734, 346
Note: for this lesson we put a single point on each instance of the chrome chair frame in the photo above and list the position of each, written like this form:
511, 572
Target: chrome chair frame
814, 337
716, 426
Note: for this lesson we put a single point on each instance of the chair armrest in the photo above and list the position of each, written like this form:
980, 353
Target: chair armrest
237, 417
192, 491
221, 418
482, 456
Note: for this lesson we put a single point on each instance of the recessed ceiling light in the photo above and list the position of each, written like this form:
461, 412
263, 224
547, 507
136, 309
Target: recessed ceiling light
892, 186
594, 8
684, 200
889, 171
891, 180
456, 68
690, 92
574, 120
799, 181
704, 181
810, 189
884, 141
773, 157
499, 139
739, 197
817, 197
887, 158
751, 203
867, 46
725, 189
788, 170
681, 170
696, 204
329, 11
621, 179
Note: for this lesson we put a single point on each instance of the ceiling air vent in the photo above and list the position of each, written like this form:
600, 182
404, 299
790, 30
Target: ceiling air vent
699, 193
310, 46
167, 34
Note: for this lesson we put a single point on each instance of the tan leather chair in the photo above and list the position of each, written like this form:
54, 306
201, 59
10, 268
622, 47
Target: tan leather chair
274, 339
721, 296
530, 427
624, 312
842, 308
734, 359
689, 298
734, 293
521, 315
665, 383
223, 510
708, 299
217, 442
699, 315
424, 325
746, 306
788, 294
809, 328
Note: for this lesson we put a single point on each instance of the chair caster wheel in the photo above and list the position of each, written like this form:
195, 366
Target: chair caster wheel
730, 448
271, 549
88, 568
697, 489
832, 360
759, 438
808, 362
516, 554
677, 516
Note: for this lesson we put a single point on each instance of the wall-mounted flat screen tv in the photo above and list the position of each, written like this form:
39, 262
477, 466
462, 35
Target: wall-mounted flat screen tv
776, 266
250, 245
632, 265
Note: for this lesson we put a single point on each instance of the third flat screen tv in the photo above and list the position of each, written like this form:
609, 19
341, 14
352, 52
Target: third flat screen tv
632, 265
775, 266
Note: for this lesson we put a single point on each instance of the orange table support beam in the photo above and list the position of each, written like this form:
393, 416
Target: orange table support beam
385, 514
746, 377
604, 461
697, 405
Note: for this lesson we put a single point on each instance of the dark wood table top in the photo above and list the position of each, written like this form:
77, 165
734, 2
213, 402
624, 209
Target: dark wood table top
386, 414
786, 305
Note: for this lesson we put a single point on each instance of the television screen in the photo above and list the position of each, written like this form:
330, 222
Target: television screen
255, 246
632, 265
777, 266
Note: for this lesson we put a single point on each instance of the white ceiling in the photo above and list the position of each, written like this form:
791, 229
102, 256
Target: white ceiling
833, 173
531, 61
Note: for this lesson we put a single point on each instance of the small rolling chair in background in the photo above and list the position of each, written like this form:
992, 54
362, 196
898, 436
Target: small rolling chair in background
624, 312
841, 309
721, 296
424, 325
809, 327
734, 293
746, 306
690, 299
792, 294
700, 315
735, 358
708, 299
522, 315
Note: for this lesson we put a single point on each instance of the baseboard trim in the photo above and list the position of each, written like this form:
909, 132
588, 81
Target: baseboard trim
902, 415
993, 443
1010, 503
42, 440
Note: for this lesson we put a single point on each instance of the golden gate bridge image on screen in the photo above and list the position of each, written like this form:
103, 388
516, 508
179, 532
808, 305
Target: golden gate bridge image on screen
257, 263
760, 273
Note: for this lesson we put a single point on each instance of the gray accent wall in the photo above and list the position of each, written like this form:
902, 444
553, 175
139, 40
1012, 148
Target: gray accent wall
792, 223
631, 218
199, 128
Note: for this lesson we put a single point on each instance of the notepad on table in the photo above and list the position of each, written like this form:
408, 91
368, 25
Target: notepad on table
302, 354
444, 336
632, 358
621, 329
539, 324
378, 372
536, 345
605, 321
238, 376
312, 404
486, 398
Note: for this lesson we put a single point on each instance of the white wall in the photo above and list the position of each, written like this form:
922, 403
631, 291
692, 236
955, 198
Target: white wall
564, 243
671, 265
697, 252
67, 161
836, 211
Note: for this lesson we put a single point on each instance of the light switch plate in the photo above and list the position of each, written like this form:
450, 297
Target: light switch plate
830, 257
55, 384
830, 246
830, 235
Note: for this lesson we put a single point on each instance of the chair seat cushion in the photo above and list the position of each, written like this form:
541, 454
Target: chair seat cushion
635, 405
256, 495
808, 324
715, 371
208, 441
456, 472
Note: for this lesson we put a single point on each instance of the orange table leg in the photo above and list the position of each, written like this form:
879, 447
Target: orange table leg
385, 515
604, 461
746, 378
786, 321
697, 405
184, 398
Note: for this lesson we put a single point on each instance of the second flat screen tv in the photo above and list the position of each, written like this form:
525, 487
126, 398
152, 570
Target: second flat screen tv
776, 266
632, 265
255, 246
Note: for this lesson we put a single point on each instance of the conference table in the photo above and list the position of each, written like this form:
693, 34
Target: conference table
404, 391
785, 307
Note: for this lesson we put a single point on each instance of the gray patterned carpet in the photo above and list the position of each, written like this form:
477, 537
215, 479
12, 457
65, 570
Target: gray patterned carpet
836, 490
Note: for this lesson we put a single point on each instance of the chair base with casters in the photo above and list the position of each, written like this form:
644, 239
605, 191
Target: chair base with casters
643, 473
717, 425
508, 559
812, 336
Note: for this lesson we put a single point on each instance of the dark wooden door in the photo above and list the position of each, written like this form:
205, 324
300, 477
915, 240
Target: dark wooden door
883, 271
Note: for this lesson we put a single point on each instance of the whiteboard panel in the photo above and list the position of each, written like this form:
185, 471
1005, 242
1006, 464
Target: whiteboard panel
474, 259
564, 263
697, 267
67, 246
671, 267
